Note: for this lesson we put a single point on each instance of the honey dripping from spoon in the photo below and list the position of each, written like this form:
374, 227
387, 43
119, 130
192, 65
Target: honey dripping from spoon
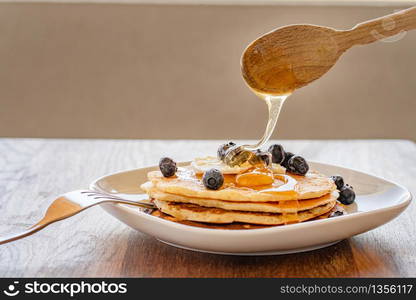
239, 155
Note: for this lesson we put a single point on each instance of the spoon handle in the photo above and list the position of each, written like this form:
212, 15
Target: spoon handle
380, 28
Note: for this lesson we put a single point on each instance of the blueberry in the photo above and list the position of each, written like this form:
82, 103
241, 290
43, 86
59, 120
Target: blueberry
264, 157
213, 179
346, 195
338, 180
297, 165
167, 166
288, 155
223, 148
336, 213
278, 153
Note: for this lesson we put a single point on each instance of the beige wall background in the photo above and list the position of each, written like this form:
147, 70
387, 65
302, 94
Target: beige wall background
172, 71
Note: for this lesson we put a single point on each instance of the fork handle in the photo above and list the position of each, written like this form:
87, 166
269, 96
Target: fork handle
98, 198
17, 236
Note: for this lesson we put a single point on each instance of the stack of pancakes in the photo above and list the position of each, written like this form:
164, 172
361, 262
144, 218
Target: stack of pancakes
185, 198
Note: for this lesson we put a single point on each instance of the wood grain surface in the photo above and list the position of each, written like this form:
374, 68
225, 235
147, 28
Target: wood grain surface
34, 171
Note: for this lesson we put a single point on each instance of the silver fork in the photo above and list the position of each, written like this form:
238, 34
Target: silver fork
68, 205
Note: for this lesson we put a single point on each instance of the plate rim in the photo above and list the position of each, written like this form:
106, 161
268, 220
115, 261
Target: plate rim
401, 205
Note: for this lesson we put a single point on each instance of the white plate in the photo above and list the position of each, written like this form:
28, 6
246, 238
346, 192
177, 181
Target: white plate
378, 201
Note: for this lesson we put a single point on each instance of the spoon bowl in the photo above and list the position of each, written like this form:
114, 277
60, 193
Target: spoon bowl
289, 57
293, 56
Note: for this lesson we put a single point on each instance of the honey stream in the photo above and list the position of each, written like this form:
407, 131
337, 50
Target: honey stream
242, 154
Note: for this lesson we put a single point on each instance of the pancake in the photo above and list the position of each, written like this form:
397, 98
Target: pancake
187, 183
235, 226
192, 212
272, 207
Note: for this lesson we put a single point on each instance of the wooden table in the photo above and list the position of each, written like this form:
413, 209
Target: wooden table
34, 171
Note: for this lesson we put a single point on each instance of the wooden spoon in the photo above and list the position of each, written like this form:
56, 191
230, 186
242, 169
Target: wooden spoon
291, 57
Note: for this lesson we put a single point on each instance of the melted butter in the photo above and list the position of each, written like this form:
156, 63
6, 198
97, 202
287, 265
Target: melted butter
257, 177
